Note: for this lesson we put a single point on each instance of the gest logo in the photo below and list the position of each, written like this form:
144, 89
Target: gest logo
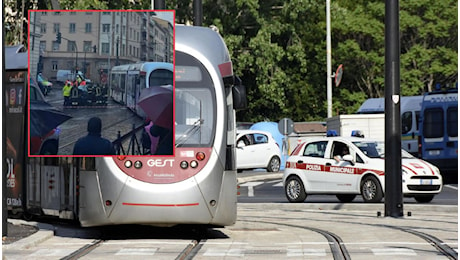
160, 162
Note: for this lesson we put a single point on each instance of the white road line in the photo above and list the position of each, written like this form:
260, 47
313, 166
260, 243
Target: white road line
279, 184
305, 252
393, 251
450, 186
224, 252
250, 186
137, 251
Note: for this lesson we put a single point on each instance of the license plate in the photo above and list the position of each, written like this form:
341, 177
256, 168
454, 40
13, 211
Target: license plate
434, 152
426, 182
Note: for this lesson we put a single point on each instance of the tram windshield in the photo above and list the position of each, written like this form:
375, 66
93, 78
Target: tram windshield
195, 104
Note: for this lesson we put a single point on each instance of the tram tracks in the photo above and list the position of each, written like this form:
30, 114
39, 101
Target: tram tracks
338, 246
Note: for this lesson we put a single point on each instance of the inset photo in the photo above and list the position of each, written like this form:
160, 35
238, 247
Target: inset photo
101, 82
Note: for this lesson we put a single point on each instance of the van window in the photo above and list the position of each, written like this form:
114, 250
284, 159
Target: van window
406, 122
433, 124
417, 117
452, 121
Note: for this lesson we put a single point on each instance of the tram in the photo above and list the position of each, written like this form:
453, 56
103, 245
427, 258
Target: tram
127, 81
197, 185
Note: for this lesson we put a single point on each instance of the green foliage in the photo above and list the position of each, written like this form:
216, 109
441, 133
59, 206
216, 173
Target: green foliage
278, 48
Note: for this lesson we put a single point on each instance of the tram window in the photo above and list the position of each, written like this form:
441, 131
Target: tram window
88, 163
406, 121
161, 77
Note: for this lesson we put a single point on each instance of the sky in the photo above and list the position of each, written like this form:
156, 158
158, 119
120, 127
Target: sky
166, 15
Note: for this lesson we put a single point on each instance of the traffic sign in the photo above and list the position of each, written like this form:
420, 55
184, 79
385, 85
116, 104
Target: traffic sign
286, 126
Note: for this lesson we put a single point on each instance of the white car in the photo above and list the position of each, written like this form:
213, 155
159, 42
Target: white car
257, 149
319, 166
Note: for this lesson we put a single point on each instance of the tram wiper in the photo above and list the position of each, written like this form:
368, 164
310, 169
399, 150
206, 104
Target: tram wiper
196, 127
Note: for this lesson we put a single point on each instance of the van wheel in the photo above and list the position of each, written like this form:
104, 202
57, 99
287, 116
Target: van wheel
294, 190
371, 189
424, 198
274, 164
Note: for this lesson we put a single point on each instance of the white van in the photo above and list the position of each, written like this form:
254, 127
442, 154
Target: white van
410, 115
63, 75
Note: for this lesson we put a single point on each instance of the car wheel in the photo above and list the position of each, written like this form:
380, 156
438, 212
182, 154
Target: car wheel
424, 198
49, 148
294, 189
345, 198
274, 164
371, 189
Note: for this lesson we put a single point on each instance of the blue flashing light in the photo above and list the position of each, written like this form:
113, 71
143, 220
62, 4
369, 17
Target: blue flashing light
330, 133
357, 133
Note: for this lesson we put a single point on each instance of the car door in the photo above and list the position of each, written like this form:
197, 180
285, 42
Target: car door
244, 151
340, 173
311, 164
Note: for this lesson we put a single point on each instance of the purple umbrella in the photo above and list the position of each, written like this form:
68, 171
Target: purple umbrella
44, 118
157, 104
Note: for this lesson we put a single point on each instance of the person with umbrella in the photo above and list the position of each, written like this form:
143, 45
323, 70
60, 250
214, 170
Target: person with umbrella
93, 143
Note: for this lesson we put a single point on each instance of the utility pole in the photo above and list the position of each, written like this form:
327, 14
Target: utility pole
393, 171
328, 58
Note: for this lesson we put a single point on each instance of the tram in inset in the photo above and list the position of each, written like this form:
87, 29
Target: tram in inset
127, 81
197, 185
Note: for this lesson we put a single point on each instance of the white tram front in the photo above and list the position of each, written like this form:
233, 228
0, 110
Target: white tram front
197, 185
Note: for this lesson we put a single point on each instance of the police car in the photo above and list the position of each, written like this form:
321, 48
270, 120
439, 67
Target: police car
349, 166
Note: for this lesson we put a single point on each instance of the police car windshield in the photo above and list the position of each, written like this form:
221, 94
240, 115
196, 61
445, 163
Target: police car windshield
371, 149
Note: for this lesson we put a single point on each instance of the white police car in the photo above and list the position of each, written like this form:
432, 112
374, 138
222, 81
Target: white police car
323, 166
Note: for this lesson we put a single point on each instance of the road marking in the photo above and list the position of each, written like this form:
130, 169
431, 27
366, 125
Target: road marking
51, 252
137, 251
305, 252
250, 186
224, 252
393, 251
452, 187
279, 184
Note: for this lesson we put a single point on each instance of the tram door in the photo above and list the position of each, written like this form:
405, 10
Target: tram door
131, 89
52, 187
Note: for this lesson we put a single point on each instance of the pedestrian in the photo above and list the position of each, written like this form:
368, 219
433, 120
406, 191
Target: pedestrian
93, 143
148, 140
66, 92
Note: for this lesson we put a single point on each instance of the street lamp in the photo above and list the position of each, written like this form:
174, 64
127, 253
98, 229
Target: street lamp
328, 58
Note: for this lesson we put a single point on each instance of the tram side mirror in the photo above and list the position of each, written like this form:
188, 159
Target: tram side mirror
240, 100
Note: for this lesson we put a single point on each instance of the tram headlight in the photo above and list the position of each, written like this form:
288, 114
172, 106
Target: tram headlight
138, 164
193, 164
128, 164
184, 165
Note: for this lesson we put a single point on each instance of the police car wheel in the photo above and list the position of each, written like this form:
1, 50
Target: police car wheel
424, 198
345, 198
371, 189
294, 189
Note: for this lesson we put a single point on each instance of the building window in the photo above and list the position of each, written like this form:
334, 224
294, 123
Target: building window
105, 48
88, 28
42, 46
72, 28
56, 27
71, 46
54, 65
43, 28
87, 46
56, 46
106, 28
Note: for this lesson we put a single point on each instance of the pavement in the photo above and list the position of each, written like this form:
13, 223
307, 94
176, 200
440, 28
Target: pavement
25, 234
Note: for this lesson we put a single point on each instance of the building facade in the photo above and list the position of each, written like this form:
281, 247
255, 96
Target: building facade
95, 41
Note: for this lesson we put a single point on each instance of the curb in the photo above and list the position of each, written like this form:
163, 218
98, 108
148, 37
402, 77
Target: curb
33, 240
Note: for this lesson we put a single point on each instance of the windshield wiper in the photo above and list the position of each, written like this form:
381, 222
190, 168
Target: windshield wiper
196, 127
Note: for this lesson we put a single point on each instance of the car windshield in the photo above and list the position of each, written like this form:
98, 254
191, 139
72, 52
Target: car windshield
377, 149
371, 149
